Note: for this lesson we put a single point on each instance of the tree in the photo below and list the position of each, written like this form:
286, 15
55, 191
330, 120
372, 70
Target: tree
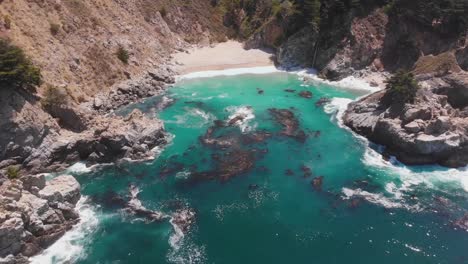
312, 7
401, 88
17, 70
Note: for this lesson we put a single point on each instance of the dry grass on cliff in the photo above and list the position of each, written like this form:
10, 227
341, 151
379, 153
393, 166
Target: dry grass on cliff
80, 53
441, 64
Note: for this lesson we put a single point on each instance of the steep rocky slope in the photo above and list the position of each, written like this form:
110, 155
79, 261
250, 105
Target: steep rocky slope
75, 42
432, 129
34, 214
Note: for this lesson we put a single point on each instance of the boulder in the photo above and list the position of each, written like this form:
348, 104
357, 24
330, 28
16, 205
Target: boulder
64, 188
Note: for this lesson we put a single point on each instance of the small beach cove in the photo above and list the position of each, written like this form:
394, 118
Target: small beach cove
254, 186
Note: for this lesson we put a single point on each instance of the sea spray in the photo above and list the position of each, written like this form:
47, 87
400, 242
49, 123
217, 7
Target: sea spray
245, 115
71, 247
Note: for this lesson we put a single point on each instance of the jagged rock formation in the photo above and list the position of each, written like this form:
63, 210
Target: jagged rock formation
34, 214
433, 129
33, 139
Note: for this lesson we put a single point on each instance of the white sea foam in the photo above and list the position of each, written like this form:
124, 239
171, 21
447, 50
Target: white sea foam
247, 115
79, 168
70, 247
176, 238
193, 118
435, 177
350, 82
337, 107
377, 198
229, 72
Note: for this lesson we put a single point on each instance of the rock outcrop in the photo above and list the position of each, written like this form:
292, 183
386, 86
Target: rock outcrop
107, 139
151, 83
34, 214
434, 129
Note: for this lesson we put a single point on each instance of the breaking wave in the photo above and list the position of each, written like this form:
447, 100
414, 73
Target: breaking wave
71, 247
247, 115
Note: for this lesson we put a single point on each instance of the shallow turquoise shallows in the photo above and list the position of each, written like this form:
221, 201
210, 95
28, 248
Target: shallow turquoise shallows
366, 211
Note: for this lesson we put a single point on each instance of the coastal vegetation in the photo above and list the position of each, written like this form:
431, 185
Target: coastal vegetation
123, 54
13, 172
16, 69
401, 88
53, 96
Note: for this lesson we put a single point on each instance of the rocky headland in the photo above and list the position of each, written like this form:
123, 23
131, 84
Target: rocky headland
431, 130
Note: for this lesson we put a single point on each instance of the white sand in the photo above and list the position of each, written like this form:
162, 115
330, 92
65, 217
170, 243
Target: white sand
222, 56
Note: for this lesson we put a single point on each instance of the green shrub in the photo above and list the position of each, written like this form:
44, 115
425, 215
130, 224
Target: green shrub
54, 28
163, 11
13, 172
401, 88
17, 70
7, 21
122, 54
53, 96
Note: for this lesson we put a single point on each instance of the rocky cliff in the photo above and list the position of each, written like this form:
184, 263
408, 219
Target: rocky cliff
76, 46
432, 129
423, 37
34, 214
95, 56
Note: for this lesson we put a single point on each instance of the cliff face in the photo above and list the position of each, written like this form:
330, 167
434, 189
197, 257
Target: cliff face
75, 42
433, 129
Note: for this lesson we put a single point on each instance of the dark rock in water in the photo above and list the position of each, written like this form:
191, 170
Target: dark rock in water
260, 91
263, 169
235, 120
195, 103
462, 223
316, 134
110, 199
170, 169
290, 90
317, 183
355, 203
289, 172
322, 101
135, 207
289, 122
306, 94
307, 171
183, 219
253, 187
234, 163
227, 166
255, 137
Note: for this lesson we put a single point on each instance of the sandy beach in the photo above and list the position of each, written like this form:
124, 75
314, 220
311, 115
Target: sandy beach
222, 56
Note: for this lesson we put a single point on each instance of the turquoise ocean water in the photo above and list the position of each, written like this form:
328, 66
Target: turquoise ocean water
366, 211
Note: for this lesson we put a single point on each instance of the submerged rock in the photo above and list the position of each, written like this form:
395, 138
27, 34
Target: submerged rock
306, 94
289, 122
134, 206
317, 183
322, 101
462, 223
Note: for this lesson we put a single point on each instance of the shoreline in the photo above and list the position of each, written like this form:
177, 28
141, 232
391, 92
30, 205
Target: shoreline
230, 58
220, 57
